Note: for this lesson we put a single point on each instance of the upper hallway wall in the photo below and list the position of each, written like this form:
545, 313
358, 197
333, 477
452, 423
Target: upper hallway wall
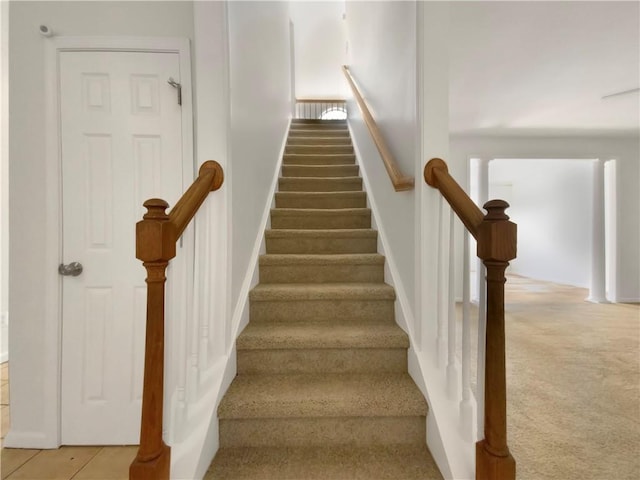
260, 109
320, 48
382, 42
27, 166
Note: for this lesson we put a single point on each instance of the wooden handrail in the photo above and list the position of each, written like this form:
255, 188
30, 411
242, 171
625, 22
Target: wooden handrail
496, 240
400, 181
436, 174
210, 178
156, 237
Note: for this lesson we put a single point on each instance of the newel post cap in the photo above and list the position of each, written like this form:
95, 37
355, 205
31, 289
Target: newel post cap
155, 235
496, 234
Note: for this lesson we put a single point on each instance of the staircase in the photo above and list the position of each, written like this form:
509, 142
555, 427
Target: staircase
322, 390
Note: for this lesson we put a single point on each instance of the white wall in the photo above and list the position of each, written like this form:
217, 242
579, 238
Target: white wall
551, 202
33, 410
4, 182
382, 40
320, 48
626, 150
260, 109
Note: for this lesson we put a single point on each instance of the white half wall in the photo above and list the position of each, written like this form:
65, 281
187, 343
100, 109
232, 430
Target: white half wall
382, 40
33, 394
624, 149
320, 48
260, 111
4, 182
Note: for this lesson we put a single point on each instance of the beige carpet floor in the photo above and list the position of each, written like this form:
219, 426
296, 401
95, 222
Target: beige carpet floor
573, 376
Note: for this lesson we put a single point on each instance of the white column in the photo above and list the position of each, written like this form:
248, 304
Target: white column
453, 376
597, 292
466, 405
483, 197
441, 340
433, 129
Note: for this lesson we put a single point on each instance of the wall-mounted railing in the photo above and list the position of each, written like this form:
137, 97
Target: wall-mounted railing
496, 246
156, 237
399, 180
320, 109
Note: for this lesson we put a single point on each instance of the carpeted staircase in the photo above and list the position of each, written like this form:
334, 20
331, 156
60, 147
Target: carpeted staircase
322, 390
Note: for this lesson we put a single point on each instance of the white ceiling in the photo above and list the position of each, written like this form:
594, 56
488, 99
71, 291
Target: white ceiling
543, 67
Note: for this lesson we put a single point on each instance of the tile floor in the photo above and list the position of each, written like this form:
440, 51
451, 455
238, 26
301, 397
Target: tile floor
77, 463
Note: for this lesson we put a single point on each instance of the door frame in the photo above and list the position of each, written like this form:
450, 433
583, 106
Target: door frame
52, 366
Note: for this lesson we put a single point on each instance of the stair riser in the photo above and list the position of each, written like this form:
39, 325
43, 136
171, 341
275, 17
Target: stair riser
322, 245
321, 273
326, 132
319, 185
295, 140
320, 171
318, 149
328, 201
353, 431
377, 311
326, 360
301, 159
322, 222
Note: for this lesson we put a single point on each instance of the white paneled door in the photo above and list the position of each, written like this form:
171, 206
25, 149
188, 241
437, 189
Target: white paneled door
121, 143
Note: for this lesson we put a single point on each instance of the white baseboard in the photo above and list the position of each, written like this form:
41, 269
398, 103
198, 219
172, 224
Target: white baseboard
628, 300
34, 440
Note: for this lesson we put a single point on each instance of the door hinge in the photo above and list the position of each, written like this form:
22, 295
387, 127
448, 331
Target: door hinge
177, 86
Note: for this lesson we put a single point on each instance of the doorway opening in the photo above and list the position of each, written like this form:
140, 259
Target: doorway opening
552, 201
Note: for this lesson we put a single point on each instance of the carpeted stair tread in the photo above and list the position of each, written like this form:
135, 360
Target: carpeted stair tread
321, 199
318, 149
318, 132
321, 268
320, 170
304, 122
318, 159
283, 292
361, 240
321, 218
316, 259
317, 140
327, 212
343, 462
344, 233
322, 395
318, 121
320, 184
321, 336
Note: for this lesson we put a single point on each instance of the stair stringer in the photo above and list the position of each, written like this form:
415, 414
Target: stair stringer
454, 455
191, 458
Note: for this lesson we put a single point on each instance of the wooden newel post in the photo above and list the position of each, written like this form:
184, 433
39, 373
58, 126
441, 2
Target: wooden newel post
496, 246
155, 246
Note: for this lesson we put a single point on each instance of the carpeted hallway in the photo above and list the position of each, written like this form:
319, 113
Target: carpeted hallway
573, 379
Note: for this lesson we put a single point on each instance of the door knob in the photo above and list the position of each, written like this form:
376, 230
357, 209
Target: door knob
74, 269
